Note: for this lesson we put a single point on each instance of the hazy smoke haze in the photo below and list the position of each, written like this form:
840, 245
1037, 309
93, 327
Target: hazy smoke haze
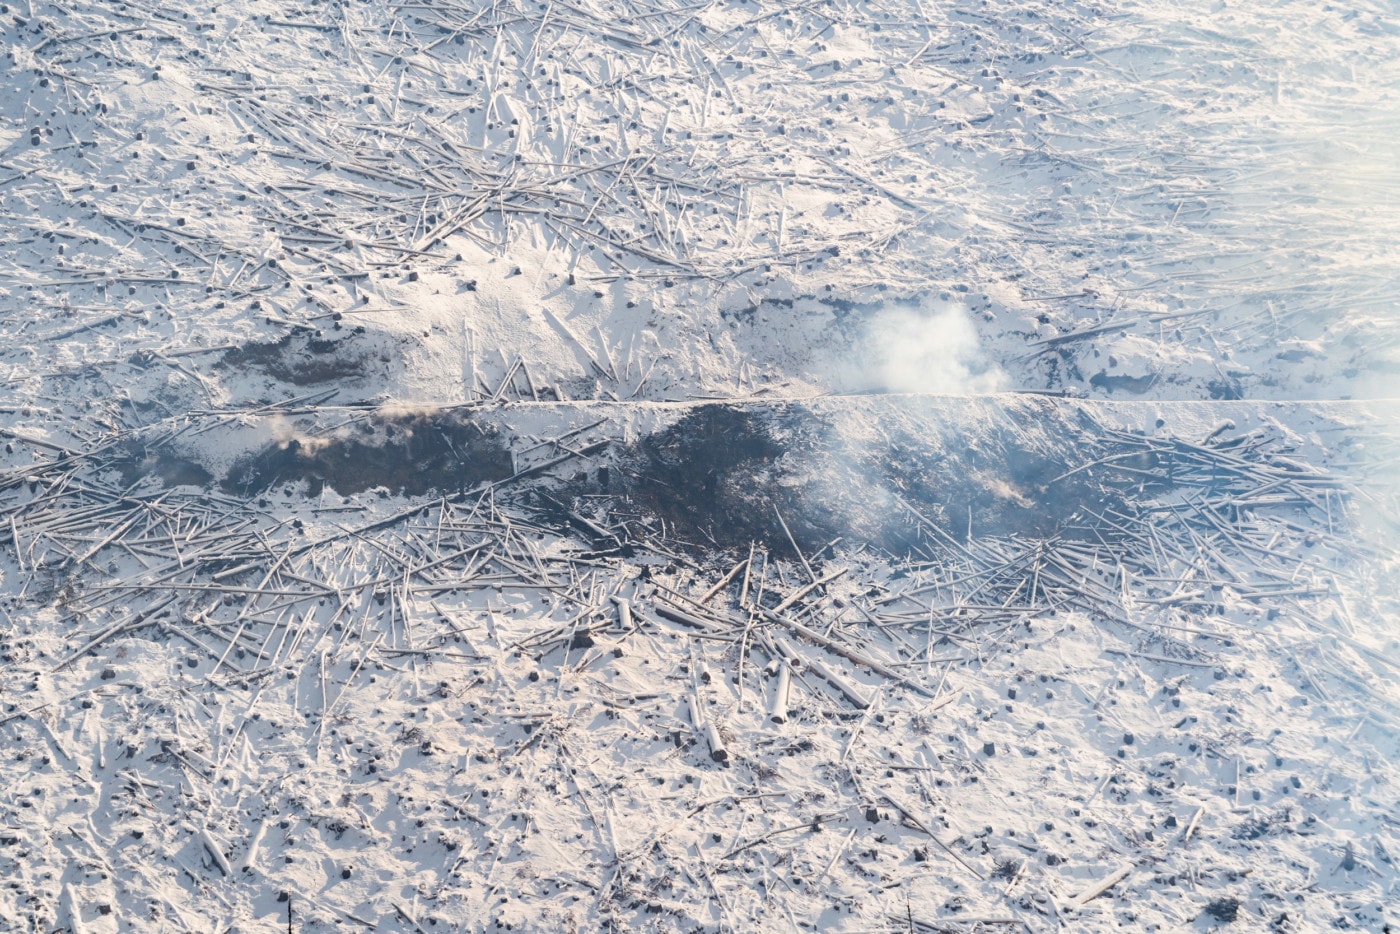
933, 349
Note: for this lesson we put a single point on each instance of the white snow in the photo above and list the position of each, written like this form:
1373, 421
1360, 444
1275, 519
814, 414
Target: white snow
496, 258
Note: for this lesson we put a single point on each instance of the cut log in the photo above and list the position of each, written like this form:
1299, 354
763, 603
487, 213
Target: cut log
852, 692
1098, 888
248, 862
216, 852
778, 705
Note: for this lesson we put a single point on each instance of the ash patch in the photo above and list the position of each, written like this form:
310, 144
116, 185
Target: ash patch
1134, 385
408, 453
724, 476
304, 359
138, 461
719, 477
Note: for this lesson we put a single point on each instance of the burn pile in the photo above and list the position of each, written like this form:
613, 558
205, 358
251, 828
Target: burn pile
915, 483
409, 452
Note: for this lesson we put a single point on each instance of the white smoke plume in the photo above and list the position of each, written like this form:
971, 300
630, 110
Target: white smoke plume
932, 349
284, 432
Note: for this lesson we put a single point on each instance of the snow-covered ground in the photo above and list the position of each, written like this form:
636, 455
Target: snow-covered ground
699, 466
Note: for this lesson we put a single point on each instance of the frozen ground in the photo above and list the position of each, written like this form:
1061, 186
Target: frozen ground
717, 466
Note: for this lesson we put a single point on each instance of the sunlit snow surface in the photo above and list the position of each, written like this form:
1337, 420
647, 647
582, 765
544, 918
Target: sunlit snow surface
435, 430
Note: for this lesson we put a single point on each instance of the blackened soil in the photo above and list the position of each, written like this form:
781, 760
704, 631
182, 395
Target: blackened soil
716, 478
136, 461
303, 359
410, 453
1136, 385
724, 476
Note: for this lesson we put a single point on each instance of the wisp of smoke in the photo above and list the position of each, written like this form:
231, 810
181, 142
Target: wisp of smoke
401, 414
931, 349
283, 433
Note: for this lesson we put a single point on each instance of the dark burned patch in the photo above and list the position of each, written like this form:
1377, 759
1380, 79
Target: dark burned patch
749, 313
1224, 910
136, 461
1263, 825
716, 478
1137, 385
1226, 388
851, 318
409, 453
303, 359
725, 476
846, 313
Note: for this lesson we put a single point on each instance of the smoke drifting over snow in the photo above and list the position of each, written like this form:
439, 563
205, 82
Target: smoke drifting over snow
1356, 180
931, 349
